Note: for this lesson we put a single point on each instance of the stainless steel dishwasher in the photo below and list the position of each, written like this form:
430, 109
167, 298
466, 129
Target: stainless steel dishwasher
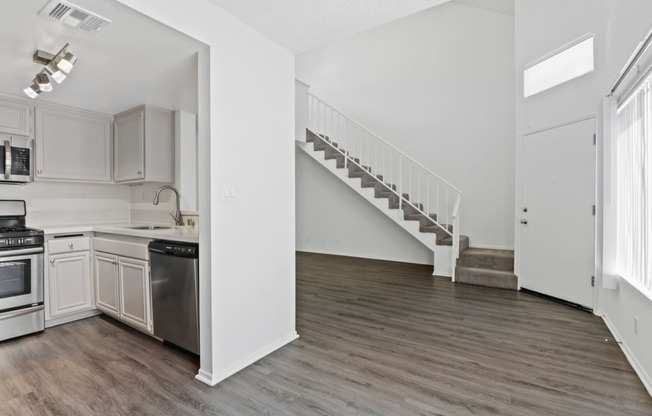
175, 292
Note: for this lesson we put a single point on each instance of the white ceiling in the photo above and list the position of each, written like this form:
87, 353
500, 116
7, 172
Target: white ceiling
300, 25
500, 6
135, 60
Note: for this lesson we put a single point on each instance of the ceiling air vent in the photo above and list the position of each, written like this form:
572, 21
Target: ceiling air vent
73, 16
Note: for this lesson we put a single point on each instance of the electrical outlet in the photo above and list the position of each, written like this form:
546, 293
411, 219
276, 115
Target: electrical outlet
190, 220
635, 326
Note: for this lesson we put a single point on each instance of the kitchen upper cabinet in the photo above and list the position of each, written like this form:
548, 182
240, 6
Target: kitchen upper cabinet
70, 284
144, 145
15, 117
72, 145
106, 283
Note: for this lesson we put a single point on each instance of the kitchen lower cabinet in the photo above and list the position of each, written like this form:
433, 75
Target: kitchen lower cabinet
106, 283
123, 289
122, 277
69, 293
134, 292
70, 283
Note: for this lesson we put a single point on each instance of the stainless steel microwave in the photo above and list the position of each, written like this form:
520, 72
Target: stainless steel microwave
15, 159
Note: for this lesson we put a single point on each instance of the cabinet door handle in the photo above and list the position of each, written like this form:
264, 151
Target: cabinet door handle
39, 171
52, 261
70, 245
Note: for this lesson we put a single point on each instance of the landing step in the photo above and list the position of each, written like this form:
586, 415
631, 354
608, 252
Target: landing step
486, 277
487, 259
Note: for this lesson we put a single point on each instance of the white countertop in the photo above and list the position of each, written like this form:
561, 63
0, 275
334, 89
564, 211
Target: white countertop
183, 234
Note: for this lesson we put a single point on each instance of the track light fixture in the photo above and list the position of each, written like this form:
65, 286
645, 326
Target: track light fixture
57, 66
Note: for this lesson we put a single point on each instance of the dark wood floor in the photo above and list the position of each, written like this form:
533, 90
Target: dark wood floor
377, 338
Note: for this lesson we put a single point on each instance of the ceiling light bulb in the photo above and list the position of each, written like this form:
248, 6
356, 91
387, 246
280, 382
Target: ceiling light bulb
67, 62
56, 74
43, 82
32, 91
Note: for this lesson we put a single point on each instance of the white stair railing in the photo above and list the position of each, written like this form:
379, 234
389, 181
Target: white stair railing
411, 183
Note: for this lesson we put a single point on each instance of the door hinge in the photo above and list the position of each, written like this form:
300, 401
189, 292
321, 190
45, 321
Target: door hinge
593, 210
595, 139
592, 281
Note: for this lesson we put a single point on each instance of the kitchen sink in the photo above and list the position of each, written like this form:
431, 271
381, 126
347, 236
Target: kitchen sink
149, 227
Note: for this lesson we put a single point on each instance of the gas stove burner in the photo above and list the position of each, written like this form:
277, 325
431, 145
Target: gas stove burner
18, 231
13, 232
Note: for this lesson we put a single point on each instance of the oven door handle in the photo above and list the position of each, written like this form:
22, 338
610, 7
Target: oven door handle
7, 160
20, 312
20, 252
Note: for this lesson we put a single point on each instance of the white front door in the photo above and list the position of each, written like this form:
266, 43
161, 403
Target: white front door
556, 214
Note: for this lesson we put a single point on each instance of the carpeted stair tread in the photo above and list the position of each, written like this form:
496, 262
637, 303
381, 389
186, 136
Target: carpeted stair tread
448, 241
486, 277
487, 259
383, 190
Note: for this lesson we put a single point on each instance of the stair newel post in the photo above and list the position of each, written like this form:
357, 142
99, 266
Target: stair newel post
456, 234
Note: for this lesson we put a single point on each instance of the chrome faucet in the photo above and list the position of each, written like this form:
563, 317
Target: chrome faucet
177, 213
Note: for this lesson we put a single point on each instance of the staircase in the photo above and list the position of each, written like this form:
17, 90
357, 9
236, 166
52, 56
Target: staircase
419, 201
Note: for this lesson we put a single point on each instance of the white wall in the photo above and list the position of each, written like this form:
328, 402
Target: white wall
628, 22
439, 85
247, 300
347, 211
618, 26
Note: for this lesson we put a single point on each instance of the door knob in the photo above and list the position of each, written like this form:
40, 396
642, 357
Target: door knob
523, 222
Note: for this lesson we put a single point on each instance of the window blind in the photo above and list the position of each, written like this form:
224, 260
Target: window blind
634, 187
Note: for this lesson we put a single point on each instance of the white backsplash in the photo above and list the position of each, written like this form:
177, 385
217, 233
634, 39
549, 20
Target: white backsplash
61, 203
55, 203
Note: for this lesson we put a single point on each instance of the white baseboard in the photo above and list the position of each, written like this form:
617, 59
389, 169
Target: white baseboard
213, 378
640, 371
205, 377
70, 318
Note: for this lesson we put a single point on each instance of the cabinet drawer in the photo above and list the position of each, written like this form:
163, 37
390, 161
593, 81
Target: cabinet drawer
69, 245
135, 250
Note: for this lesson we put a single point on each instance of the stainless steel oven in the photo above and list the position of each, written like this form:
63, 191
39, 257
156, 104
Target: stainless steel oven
21, 273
